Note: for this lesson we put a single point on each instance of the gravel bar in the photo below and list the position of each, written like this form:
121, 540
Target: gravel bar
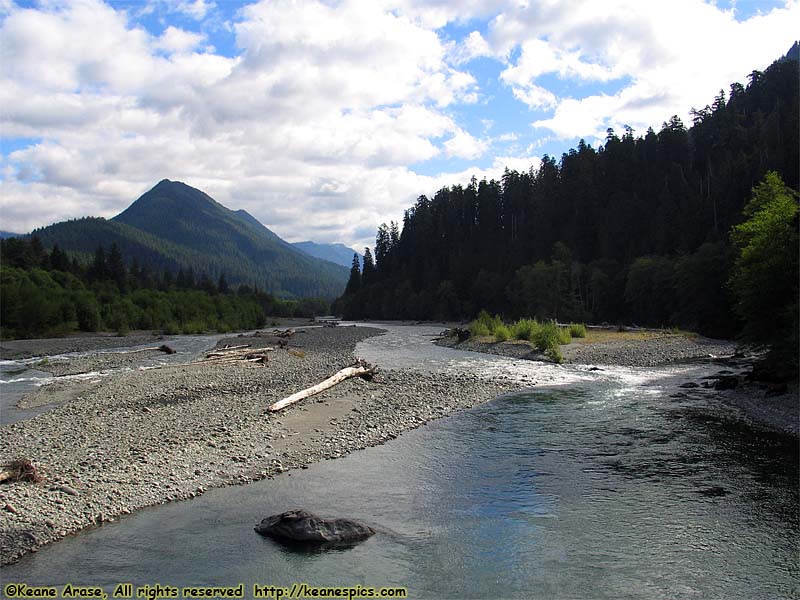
662, 350
147, 437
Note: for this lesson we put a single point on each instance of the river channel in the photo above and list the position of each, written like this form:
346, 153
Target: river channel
586, 484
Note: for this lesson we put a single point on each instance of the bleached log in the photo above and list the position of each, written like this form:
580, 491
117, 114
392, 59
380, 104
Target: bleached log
358, 370
231, 348
233, 354
162, 348
260, 357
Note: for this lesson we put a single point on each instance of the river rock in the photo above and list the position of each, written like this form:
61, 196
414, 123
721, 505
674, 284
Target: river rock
726, 382
302, 526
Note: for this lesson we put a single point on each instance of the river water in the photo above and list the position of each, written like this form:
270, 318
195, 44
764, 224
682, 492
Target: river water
18, 377
592, 484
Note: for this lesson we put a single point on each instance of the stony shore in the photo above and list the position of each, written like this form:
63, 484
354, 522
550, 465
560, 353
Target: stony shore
658, 350
146, 437
21, 349
778, 411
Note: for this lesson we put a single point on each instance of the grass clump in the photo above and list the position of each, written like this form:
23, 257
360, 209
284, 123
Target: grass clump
485, 324
548, 336
525, 329
548, 339
478, 329
554, 354
577, 330
502, 333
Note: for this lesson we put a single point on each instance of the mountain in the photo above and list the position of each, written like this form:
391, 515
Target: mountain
335, 253
175, 226
8, 234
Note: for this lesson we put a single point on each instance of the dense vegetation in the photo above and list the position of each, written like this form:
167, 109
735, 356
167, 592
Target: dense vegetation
47, 293
765, 279
546, 337
174, 226
637, 230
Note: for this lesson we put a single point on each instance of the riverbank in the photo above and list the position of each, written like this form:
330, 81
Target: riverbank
146, 437
98, 341
776, 410
625, 349
79, 342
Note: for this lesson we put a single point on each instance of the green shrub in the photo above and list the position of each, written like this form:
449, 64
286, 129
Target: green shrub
491, 322
485, 324
563, 335
577, 330
525, 329
172, 328
478, 329
548, 336
502, 333
554, 354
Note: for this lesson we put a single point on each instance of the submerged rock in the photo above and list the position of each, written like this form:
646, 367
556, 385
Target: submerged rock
726, 382
302, 526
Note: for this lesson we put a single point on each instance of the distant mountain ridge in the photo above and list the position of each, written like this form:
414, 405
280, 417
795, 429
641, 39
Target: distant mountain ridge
174, 226
9, 234
335, 253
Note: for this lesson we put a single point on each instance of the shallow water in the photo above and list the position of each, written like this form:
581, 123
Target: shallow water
19, 377
606, 487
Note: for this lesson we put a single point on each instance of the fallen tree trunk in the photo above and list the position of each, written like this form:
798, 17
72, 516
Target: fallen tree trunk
249, 356
231, 348
162, 348
357, 370
237, 352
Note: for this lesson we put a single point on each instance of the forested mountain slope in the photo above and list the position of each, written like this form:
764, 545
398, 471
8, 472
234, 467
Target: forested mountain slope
174, 226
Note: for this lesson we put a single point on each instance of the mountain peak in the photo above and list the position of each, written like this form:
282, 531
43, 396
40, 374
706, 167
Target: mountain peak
174, 226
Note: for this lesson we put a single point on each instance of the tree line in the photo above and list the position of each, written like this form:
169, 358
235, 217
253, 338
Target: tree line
51, 293
637, 230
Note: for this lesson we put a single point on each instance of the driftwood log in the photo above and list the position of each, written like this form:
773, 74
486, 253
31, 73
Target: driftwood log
357, 370
162, 348
233, 355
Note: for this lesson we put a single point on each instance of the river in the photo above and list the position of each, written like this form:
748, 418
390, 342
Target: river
592, 484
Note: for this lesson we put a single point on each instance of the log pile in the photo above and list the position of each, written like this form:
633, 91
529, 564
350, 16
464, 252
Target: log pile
236, 354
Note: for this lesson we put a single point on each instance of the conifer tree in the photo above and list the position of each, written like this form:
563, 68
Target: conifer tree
354, 283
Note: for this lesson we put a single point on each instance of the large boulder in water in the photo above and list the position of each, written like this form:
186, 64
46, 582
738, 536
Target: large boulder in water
302, 526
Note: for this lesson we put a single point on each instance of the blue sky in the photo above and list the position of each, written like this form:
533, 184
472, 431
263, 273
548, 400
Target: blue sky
325, 118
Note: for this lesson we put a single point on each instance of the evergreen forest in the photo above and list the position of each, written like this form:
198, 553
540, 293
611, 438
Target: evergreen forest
48, 293
646, 229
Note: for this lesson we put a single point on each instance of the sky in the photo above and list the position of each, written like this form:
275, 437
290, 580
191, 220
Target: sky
325, 118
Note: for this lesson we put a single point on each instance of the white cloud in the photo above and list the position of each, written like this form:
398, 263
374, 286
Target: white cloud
196, 9
326, 104
667, 56
179, 40
320, 114
463, 145
473, 46
535, 96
